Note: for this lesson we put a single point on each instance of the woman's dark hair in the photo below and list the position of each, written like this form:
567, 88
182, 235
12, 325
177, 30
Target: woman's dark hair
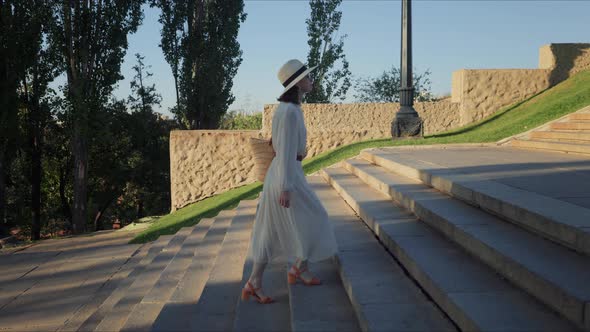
291, 96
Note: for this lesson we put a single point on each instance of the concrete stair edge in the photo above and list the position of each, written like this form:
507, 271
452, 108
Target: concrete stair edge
94, 319
145, 313
551, 218
566, 147
551, 293
116, 319
215, 309
455, 309
189, 288
112, 284
364, 266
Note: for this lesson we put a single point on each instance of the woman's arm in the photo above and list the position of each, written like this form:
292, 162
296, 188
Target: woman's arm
286, 151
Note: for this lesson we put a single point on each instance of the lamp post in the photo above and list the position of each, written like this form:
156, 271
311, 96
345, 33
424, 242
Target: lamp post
407, 123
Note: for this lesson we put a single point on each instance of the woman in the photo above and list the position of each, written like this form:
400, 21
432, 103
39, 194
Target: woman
291, 223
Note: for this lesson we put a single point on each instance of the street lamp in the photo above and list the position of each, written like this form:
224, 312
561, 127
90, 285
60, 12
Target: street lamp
407, 123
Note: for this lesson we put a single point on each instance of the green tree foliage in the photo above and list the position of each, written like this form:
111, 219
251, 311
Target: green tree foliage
29, 63
93, 41
236, 120
385, 87
331, 79
199, 41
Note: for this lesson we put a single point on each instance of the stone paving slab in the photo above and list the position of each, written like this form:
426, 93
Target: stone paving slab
119, 314
104, 307
252, 316
322, 308
111, 285
551, 174
176, 313
557, 220
383, 296
455, 280
145, 313
542, 271
216, 307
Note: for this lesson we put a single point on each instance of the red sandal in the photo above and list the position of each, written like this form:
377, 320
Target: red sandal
292, 278
249, 290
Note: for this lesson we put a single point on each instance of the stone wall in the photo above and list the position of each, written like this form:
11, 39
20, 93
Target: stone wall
481, 92
371, 118
208, 162
204, 162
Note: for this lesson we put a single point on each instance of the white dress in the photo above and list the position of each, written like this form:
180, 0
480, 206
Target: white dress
303, 230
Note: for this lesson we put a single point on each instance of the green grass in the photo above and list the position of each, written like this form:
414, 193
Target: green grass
566, 97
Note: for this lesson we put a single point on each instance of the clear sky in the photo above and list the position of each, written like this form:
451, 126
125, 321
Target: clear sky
447, 36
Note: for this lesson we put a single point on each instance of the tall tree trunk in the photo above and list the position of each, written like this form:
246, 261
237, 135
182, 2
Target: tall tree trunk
80, 150
2, 189
140, 208
35, 150
100, 213
65, 205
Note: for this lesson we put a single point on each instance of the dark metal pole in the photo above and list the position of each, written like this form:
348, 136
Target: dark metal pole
407, 123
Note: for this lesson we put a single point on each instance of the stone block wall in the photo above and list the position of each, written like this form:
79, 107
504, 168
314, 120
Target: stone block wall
481, 92
207, 162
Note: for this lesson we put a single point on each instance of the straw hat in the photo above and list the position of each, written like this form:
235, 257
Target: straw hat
292, 72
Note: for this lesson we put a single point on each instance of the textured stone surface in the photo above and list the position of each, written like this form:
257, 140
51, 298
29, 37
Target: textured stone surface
481, 92
368, 119
208, 162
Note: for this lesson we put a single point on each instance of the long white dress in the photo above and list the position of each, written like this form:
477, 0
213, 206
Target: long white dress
303, 230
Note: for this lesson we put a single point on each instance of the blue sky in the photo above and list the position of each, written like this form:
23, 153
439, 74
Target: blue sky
447, 36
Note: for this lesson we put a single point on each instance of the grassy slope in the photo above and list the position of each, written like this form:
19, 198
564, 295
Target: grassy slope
569, 96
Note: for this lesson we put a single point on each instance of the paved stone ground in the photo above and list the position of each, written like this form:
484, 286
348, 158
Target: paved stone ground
557, 175
42, 286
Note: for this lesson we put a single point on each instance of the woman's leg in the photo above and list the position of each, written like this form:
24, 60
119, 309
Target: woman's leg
302, 264
256, 275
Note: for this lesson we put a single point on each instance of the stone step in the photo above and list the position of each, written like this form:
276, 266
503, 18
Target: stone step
578, 135
252, 316
571, 125
321, 308
552, 145
145, 313
215, 310
560, 221
471, 293
176, 313
121, 311
580, 116
382, 295
552, 273
91, 323
110, 286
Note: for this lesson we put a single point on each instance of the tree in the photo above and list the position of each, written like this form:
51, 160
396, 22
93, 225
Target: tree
149, 137
93, 41
207, 59
28, 64
143, 97
36, 75
325, 51
385, 87
172, 19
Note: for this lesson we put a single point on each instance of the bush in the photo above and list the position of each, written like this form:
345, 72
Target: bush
240, 120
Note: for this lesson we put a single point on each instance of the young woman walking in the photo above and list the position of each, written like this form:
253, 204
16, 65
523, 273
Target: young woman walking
291, 223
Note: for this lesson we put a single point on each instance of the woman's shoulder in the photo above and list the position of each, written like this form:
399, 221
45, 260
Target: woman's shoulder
288, 107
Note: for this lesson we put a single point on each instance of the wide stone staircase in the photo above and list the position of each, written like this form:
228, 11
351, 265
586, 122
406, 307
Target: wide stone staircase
427, 242
569, 134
